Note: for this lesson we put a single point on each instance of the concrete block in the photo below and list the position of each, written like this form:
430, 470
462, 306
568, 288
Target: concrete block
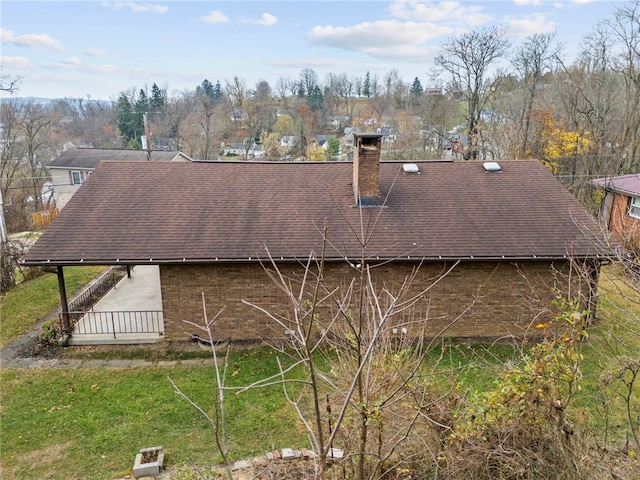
288, 454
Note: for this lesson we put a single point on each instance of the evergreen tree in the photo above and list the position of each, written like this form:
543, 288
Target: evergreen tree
217, 93
333, 148
315, 99
366, 87
207, 88
129, 121
142, 103
158, 99
416, 88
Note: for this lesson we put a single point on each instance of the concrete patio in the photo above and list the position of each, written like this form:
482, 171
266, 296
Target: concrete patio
139, 293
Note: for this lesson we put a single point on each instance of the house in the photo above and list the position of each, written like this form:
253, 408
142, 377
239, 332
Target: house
321, 141
74, 166
620, 209
387, 134
238, 115
509, 234
288, 141
240, 150
348, 138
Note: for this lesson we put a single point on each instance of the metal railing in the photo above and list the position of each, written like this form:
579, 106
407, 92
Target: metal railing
98, 289
117, 323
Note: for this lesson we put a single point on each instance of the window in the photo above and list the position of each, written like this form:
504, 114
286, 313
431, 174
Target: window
634, 207
75, 178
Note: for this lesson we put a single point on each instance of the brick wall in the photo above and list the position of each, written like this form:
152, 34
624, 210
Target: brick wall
625, 227
476, 299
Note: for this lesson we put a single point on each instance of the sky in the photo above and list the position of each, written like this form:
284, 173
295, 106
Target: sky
97, 49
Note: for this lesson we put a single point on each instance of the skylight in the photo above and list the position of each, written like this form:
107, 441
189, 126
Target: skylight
410, 168
492, 167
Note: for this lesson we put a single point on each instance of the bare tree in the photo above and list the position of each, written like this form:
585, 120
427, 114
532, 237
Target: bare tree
217, 421
9, 83
532, 60
373, 400
625, 28
469, 59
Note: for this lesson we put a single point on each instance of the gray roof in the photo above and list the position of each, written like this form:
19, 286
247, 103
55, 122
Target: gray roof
155, 212
88, 158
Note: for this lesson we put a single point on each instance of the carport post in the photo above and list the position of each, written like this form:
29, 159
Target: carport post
66, 324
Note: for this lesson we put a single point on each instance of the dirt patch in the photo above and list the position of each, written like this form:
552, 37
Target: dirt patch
34, 348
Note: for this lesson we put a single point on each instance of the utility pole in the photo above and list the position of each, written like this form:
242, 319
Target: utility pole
147, 135
3, 226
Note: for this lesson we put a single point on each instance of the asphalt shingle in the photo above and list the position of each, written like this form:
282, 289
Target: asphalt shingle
154, 212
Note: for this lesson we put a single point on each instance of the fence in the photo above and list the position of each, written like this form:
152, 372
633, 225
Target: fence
115, 323
43, 218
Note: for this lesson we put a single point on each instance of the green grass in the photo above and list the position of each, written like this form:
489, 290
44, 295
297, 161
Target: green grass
90, 423
27, 304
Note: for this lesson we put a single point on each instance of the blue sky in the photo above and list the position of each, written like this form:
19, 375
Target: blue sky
100, 48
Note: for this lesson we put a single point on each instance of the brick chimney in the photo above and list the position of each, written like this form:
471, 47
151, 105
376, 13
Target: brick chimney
366, 169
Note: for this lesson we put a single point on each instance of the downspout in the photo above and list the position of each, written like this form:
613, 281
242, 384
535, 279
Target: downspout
66, 322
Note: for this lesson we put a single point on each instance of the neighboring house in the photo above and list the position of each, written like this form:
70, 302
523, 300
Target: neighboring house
348, 138
620, 209
239, 149
509, 233
387, 134
238, 115
321, 140
235, 149
74, 166
338, 121
288, 141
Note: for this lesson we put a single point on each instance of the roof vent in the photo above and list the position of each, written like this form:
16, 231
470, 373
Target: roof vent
492, 167
410, 168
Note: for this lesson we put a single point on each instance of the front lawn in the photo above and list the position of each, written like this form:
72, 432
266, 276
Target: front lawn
90, 423
24, 306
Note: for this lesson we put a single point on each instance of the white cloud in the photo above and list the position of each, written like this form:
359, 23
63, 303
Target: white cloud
76, 65
30, 40
372, 36
72, 62
136, 7
449, 12
95, 52
527, 3
266, 20
215, 16
529, 25
19, 63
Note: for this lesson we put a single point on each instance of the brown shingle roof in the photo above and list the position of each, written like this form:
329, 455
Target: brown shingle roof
173, 212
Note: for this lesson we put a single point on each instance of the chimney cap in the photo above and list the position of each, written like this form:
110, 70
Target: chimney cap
368, 135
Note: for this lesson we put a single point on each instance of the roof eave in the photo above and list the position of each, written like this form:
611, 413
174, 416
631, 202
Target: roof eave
403, 259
